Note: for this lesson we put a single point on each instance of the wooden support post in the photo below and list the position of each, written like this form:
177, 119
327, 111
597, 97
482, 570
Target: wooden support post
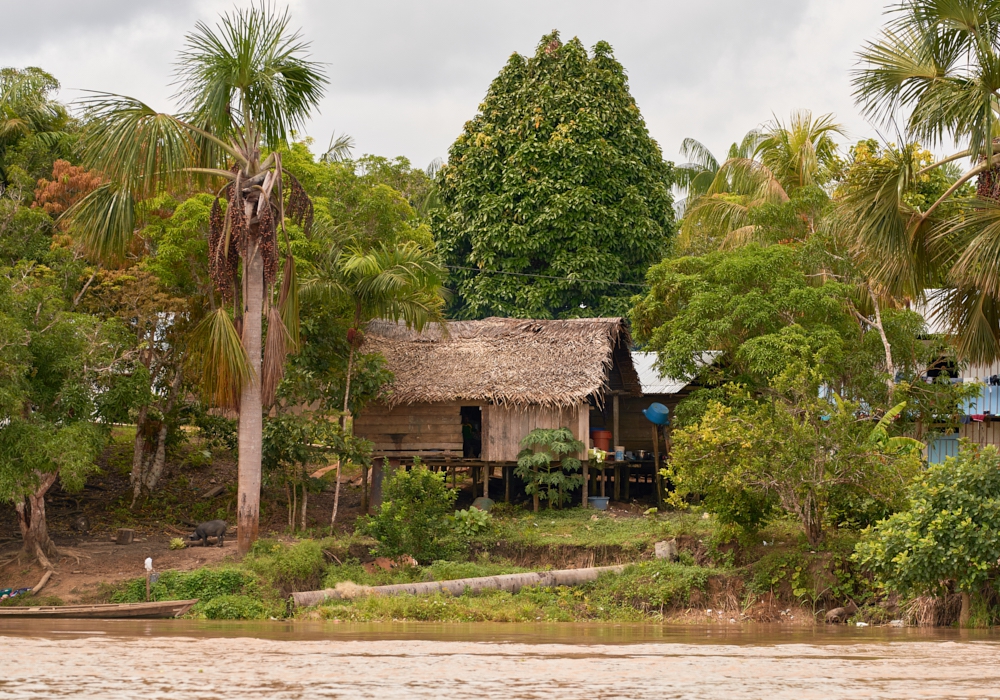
615, 441
604, 476
486, 480
364, 488
626, 479
619, 468
453, 479
507, 477
378, 473
586, 481
148, 574
474, 478
656, 458
534, 497
658, 476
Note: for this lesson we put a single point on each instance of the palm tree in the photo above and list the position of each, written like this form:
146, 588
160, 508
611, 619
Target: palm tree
766, 167
245, 86
935, 64
27, 110
400, 283
696, 175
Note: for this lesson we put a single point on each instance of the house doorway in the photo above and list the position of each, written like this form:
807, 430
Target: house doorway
472, 431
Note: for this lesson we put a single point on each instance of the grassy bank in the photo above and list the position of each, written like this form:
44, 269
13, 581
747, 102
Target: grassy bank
736, 580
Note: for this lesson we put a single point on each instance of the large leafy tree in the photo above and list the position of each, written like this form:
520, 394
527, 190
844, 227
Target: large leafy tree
759, 310
554, 199
933, 70
245, 86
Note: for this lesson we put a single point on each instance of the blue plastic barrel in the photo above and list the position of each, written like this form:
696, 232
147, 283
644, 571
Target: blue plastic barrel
658, 414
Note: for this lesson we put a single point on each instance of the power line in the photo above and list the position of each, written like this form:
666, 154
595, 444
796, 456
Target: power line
546, 277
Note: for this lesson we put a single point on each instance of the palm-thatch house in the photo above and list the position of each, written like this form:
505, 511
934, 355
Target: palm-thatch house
466, 394
500, 378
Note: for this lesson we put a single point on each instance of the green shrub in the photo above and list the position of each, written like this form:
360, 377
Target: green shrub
203, 584
950, 534
285, 568
472, 522
235, 607
413, 518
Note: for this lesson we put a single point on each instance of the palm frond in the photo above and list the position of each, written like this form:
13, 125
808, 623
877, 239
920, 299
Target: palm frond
249, 72
220, 360
106, 221
339, 149
135, 147
288, 304
275, 353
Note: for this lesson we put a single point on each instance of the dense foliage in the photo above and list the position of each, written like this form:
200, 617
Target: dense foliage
795, 449
949, 535
558, 179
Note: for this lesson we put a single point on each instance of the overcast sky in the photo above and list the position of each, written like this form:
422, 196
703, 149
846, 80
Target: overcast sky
406, 74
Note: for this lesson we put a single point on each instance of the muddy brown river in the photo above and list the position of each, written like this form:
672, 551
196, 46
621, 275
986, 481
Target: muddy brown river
178, 659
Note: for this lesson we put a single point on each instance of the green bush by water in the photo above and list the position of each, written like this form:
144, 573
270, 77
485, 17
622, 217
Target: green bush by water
236, 607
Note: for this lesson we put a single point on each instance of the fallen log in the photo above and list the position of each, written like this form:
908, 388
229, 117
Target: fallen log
511, 583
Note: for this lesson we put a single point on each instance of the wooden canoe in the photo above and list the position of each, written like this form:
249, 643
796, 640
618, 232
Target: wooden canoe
107, 611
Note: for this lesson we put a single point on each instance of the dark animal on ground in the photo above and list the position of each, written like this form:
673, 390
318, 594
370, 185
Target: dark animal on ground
81, 524
839, 615
213, 528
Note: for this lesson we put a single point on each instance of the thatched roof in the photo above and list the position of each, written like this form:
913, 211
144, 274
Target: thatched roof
508, 361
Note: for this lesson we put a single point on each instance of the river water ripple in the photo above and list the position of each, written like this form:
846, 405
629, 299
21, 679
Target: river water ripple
174, 660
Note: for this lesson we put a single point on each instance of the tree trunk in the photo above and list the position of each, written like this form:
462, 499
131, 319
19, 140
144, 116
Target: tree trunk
336, 498
511, 583
251, 416
890, 366
155, 471
295, 508
305, 503
347, 384
31, 520
963, 617
138, 455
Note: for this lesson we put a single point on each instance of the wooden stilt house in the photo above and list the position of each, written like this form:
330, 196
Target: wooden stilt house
473, 389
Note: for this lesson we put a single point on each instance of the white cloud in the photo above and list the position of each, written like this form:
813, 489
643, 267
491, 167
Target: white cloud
405, 75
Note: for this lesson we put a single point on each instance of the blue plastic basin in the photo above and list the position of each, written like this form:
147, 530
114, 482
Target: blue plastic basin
598, 502
657, 413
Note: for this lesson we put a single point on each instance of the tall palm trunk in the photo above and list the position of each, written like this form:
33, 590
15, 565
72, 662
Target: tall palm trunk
251, 411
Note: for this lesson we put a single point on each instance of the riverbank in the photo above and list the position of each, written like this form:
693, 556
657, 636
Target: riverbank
717, 578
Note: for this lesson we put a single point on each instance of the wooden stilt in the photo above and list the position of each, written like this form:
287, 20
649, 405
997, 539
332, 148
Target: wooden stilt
656, 458
506, 482
659, 476
616, 440
586, 481
486, 480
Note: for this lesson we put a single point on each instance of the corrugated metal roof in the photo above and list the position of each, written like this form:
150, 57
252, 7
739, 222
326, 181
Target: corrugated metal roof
653, 383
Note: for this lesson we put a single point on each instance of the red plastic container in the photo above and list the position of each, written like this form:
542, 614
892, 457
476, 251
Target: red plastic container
602, 439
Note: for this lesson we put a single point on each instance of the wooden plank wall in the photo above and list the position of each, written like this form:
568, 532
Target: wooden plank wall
504, 428
433, 429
